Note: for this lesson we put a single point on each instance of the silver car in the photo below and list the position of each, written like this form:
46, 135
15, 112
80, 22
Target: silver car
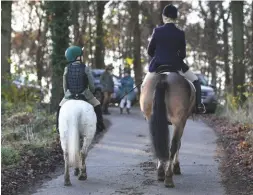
208, 94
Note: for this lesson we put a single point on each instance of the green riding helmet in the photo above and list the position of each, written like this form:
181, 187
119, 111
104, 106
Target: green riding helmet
72, 53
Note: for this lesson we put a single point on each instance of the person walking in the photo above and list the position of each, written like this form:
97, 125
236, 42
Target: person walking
107, 83
127, 84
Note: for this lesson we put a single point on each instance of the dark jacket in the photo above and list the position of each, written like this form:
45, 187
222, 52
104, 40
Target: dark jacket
167, 47
107, 82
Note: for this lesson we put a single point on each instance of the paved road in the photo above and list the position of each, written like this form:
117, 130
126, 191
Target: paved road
122, 163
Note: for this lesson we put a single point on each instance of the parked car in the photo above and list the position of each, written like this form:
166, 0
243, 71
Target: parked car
208, 94
115, 98
21, 82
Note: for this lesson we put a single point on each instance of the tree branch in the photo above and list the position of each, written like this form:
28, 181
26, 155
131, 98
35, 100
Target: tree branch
203, 12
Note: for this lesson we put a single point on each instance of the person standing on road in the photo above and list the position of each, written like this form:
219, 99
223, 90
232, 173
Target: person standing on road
107, 83
127, 84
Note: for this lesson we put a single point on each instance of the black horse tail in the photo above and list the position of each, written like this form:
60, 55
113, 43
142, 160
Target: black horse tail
158, 124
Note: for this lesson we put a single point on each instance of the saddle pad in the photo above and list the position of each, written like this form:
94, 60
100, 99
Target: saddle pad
167, 73
191, 84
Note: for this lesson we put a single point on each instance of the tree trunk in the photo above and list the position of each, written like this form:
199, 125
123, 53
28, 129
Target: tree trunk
226, 48
226, 54
59, 26
75, 5
162, 5
90, 36
211, 45
100, 48
252, 41
6, 39
238, 48
135, 10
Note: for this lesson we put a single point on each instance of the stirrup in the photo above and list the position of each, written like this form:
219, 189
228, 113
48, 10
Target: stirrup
202, 109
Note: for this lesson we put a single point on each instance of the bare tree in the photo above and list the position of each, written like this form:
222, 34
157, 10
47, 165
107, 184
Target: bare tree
226, 45
100, 50
6, 38
134, 11
238, 48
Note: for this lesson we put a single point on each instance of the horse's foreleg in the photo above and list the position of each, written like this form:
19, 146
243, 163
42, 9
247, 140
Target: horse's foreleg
66, 173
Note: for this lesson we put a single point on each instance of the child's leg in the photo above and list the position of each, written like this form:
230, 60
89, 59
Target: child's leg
122, 103
128, 104
97, 108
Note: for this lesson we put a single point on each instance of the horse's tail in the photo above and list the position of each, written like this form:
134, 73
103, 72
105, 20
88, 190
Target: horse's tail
158, 123
73, 142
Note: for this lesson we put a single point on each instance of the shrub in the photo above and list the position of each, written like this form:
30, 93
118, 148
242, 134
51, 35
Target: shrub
9, 155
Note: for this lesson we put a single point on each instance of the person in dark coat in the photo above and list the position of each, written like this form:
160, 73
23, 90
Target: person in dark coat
107, 83
168, 47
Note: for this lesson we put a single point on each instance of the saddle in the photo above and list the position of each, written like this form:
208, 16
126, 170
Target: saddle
165, 69
77, 97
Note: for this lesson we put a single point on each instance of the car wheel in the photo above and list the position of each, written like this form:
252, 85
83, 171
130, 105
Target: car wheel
99, 95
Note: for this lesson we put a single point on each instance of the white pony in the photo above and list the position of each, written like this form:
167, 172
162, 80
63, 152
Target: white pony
77, 119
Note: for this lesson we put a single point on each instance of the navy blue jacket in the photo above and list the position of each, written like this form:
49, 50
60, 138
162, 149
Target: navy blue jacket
167, 47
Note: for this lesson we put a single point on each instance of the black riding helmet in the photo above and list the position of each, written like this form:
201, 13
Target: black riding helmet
170, 11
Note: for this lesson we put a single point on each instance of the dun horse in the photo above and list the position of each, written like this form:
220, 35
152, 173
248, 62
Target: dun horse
164, 98
76, 119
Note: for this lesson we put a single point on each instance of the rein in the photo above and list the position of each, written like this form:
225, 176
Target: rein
131, 90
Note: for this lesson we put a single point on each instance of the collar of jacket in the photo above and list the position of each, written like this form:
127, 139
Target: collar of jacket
167, 24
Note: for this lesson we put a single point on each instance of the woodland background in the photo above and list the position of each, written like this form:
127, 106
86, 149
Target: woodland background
35, 35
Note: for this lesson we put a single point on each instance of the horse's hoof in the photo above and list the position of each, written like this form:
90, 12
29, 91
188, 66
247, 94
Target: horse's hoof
160, 175
82, 177
168, 182
67, 183
176, 169
76, 172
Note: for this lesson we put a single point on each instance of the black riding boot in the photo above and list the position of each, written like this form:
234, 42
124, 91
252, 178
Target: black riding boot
100, 122
200, 108
57, 119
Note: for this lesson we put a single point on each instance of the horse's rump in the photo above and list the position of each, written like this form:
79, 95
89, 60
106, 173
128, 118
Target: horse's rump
179, 97
76, 118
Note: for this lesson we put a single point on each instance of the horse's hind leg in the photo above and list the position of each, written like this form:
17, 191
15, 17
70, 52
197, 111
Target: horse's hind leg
160, 170
66, 173
176, 166
178, 131
82, 174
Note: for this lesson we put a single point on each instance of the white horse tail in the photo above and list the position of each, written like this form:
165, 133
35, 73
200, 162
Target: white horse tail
69, 131
73, 141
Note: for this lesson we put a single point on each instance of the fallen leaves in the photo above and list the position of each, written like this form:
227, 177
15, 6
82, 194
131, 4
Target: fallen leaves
33, 165
237, 166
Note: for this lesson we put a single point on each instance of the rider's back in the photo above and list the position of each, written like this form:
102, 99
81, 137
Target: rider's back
77, 80
167, 46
